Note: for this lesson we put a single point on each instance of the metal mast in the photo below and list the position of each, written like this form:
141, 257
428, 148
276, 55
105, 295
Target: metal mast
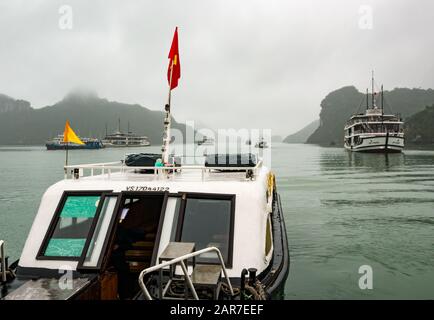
167, 123
373, 93
367, 98
382, 101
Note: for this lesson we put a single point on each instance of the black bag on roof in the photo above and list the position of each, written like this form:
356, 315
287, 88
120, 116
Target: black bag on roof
230, 160
142, 159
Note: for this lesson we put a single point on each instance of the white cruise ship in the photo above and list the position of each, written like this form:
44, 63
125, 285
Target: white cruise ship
373, 130
120, 139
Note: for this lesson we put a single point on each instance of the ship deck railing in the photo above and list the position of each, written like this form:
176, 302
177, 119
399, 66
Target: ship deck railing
181, 261
376, 133
384, 121
157, 173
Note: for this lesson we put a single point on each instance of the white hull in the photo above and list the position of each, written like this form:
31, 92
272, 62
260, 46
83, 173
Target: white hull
376, 144
206, 143
110, 145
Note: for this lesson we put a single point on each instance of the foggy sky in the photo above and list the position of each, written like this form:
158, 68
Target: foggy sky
244, 64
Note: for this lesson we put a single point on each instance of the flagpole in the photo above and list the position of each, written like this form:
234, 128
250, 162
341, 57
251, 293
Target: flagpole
373, 95
167, 121
66, 159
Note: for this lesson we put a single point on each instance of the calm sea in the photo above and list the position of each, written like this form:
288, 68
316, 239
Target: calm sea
343, 210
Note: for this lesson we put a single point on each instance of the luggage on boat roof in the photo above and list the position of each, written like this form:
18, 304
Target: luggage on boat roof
231, 160
142, 159
148, 160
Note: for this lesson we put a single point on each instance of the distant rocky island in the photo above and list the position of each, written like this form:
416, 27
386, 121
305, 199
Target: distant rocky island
302, 135
88, 114
420, 128
337, 107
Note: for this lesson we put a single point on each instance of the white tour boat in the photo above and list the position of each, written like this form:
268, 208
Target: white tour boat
374, 131
121, 139
120, 231
151, 227
207, 141
261, 144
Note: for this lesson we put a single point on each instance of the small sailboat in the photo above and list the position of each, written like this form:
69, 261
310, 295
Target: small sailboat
373, 130
261, 144
205, 141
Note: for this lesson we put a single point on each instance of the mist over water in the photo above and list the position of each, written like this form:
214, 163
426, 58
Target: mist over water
342, 210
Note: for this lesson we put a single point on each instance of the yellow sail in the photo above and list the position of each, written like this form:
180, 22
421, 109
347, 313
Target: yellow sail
70, 136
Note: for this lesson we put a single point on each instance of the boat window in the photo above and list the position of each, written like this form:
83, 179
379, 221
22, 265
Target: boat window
96, 244
172, 212
208, 222
71, 226
171, 217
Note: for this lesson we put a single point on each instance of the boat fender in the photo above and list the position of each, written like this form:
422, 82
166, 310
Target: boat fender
271, 183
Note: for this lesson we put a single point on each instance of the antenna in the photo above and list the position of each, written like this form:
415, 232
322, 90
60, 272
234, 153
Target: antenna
382, 115
382, 101
373, 94
119, 124
367, 98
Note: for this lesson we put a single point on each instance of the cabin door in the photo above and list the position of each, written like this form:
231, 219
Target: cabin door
136, 237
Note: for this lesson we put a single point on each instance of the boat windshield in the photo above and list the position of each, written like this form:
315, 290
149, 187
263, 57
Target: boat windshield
208, 222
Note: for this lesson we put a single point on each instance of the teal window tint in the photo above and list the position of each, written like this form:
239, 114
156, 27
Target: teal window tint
65, 247
80, 207
72, 228
207, 223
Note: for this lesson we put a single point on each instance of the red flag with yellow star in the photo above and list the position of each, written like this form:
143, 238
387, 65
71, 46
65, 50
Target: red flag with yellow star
174, 70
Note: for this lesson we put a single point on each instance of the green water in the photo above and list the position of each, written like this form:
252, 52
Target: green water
342, 210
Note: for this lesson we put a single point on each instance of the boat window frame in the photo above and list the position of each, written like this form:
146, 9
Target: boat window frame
211, 196
166, 195
56, 217
114, 217
111, 231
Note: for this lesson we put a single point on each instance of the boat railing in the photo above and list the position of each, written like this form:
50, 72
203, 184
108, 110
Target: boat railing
108, 168
385, 120
180, 260
3, 261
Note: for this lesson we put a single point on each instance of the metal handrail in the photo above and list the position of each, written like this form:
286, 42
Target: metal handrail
109, 166
180, 260
3, 261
